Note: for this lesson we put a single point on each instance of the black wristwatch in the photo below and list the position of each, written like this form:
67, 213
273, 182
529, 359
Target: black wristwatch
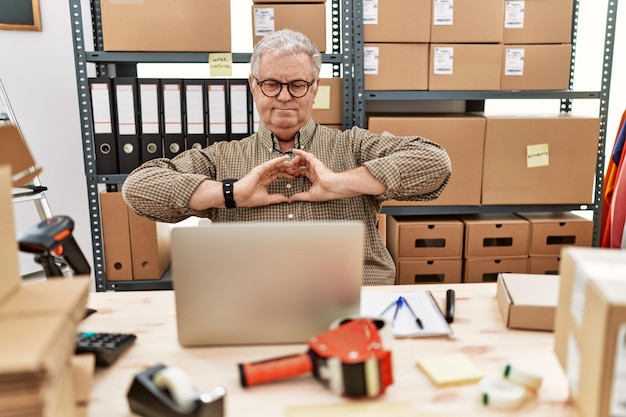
229, 197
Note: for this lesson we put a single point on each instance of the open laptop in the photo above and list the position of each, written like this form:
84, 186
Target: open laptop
264, 283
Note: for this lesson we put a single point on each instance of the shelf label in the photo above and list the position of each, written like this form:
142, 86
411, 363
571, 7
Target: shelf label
370, 12
537, 155
370, 60
514, 62
263, 21
443, 12
514, 14
443, 60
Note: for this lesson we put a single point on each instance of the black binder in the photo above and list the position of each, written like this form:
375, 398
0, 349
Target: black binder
173, 137
240, 109
217, 110
127, 106
103, 118
150, 126
195, 126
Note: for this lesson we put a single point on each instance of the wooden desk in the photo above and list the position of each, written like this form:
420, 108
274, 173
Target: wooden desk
478, 332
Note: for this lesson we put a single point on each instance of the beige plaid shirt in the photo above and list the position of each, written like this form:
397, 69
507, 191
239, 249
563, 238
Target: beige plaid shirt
412, 168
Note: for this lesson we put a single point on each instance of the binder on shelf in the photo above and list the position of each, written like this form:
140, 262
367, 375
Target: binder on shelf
116, 237
127, 106
216, 110
150, 132
195, 126
102, 111
256, 119
173, 138
240, 105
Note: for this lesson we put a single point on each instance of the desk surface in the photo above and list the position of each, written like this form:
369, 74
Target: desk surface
479, 332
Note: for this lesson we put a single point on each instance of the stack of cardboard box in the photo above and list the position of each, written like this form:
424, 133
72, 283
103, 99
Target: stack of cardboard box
426, 249
38, 324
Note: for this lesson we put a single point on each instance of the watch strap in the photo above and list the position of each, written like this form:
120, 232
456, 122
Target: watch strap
227, 188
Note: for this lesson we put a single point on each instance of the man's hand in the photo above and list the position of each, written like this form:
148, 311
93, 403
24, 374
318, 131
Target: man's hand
327, 185
249, 191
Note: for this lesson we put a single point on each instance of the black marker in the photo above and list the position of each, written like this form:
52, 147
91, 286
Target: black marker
450, 306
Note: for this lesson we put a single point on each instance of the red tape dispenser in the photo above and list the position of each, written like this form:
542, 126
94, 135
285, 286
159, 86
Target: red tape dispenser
349, 360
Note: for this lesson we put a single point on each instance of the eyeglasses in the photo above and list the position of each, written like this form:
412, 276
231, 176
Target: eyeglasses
272, 88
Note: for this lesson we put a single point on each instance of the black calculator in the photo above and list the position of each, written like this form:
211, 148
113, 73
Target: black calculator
106, 347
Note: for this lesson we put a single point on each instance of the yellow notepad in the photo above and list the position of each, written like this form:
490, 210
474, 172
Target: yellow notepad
450, 369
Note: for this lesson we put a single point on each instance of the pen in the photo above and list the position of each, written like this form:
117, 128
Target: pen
450, 306
417, 319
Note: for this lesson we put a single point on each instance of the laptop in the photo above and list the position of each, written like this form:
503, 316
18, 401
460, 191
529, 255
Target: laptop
264, 283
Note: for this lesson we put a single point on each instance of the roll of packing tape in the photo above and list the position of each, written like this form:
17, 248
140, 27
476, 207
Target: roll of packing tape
522, 376
500, 393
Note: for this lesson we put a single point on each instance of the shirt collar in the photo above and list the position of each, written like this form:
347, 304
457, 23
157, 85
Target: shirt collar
302, 140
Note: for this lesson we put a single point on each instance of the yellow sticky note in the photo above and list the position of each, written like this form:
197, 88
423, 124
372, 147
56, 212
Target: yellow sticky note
221, 65
537, 155
450, 369
322, 100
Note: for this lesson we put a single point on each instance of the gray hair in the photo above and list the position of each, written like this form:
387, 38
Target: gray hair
284, 42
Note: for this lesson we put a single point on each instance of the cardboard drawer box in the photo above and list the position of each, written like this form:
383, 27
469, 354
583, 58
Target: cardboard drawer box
460, 135
428, 271
488, 269
464, 66
159, 26
395, 66
590, 328
536, 67
538, 21
495, 235
309, 19
550, 232
544, 264
424, 237
397, 21
328, 106
476, 21
528, 301
549, 159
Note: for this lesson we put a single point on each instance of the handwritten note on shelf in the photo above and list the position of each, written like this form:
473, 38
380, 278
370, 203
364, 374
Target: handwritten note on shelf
416, 306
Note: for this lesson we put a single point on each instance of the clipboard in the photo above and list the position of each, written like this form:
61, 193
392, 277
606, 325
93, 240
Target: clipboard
416, 304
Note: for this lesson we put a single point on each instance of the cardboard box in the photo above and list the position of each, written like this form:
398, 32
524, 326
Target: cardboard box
495, 235
590, 329
550, 232
536, 67
544, 264
460, 135
41, 318
382, 227
328, 106
428, 271
464, 66
425, 237
468, 21
396, 66
308, 18
160, 26
548, 159
538, 21
488, 269
397, 21
528, 301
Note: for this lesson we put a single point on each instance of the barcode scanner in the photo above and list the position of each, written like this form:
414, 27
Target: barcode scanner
52, 238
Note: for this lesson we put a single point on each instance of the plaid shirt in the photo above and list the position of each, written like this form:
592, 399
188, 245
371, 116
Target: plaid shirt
412, 168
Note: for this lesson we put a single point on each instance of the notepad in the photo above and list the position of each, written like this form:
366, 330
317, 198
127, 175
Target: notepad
416, 305
452, 369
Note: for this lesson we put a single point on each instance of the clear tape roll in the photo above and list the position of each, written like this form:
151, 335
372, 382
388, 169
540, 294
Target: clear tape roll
522, 376
500, 393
